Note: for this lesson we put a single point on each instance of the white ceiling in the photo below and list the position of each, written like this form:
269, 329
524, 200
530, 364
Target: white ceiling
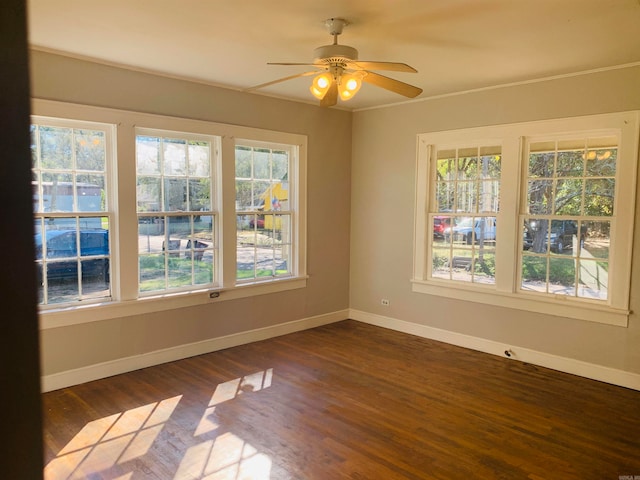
456, 45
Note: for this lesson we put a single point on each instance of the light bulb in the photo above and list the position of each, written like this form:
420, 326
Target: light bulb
349, 86
320, 85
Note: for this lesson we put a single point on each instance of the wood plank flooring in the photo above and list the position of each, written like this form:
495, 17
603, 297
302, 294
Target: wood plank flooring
343, 401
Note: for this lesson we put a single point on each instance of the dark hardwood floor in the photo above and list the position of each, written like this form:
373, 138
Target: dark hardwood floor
347, 400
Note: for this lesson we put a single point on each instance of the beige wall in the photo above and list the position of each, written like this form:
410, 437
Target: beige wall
382, 209
364, 200
329, 152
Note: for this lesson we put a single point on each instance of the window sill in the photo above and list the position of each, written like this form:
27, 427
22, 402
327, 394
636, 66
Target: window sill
558, 305
79, 314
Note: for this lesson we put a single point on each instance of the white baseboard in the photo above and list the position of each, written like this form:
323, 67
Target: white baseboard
563, 364
128, 364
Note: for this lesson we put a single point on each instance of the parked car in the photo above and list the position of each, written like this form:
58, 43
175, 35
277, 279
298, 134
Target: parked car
61, 256
470, 229
257, 222
440, 223
560, 237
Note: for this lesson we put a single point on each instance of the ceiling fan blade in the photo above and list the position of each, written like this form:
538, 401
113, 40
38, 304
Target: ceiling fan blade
331, 97
290, 77
289, 63
391, 66
391, 84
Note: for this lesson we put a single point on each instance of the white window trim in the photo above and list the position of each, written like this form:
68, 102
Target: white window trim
215, 170
295, 184
505, 293
126, 300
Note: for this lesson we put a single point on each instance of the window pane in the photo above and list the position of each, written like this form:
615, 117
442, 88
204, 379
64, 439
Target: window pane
570, 164
467, 168
594, 279
265, 261
445, 196
539, 195
199, 159
147, 155
562, 274
441, 263
536, 235
244, 195
57, 192
261, 164
439, 224
490, 161
178, 228
489, 196
260, 194
175, 194
541, 164
280, 165
568, 197
148, 193
150, 234
152, 272
200, 194
243, 162
596, 240
90, 150
484, 263
55, 148
91, 193
602, 162
598, 197
466, 196
175, 156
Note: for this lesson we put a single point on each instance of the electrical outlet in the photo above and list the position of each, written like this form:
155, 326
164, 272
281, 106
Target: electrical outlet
385, 302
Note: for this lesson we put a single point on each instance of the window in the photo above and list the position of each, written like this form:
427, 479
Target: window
177, 219
70, 165
464, 219
569, 205
264, 215
136, 213
536, 216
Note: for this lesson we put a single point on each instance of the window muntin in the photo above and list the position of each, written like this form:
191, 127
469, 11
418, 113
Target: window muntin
177, 220
463, 213
264, 248
569, 208
70, 161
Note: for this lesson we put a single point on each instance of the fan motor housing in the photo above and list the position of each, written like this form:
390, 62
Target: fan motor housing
335, 53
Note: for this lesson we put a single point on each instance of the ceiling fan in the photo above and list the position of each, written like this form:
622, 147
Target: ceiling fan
339, 73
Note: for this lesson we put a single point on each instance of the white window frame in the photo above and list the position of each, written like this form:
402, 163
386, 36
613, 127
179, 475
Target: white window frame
294, 172
126, 300
108, 213
506, 292
214, 176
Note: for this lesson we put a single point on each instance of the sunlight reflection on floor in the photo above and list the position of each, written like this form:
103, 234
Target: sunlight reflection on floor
126, 437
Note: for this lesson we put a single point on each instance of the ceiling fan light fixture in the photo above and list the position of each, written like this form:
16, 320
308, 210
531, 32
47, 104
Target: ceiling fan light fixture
349, 86
320, 85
